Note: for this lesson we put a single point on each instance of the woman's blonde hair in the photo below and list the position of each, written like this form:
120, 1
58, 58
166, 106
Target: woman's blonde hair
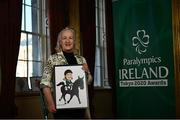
58, 47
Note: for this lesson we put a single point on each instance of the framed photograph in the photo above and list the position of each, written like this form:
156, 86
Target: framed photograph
70, 87
35, 81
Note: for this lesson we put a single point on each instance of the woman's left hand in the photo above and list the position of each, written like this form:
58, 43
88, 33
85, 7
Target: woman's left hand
86, 69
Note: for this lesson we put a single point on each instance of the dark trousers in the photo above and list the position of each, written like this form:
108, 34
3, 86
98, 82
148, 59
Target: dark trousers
69, 114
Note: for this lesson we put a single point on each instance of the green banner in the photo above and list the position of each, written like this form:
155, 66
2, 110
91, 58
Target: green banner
144, 58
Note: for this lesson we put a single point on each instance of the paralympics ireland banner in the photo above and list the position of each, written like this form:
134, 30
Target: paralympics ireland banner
144, 58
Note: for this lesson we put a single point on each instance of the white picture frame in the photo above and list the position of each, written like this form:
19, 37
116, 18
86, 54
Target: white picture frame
77, 95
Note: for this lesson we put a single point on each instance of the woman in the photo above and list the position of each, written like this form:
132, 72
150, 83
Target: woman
65, 56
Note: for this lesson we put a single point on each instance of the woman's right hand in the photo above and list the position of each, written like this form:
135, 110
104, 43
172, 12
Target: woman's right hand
52, 108
49, 99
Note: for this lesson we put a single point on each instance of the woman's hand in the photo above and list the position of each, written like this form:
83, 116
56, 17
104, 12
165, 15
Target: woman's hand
49, 99
51, 108
89, 76
86, 68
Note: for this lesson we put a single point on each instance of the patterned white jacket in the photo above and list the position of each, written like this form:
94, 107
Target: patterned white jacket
57, 59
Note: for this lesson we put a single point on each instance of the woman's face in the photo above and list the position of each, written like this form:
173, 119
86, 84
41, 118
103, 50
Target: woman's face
67, 41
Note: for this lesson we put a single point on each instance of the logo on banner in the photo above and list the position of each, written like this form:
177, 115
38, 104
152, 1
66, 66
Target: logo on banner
141, 41
143, 71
